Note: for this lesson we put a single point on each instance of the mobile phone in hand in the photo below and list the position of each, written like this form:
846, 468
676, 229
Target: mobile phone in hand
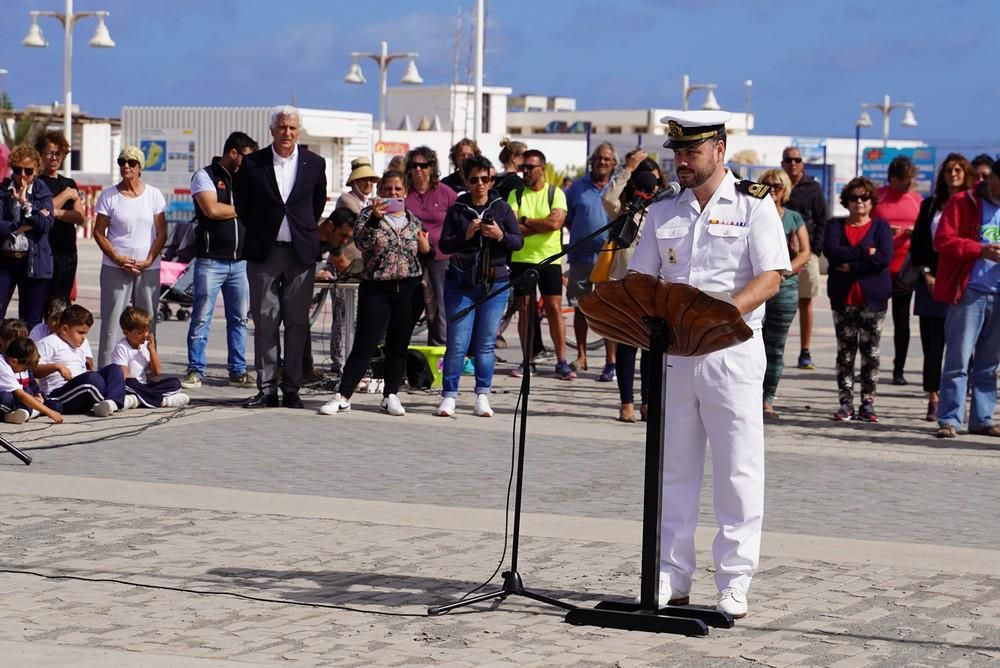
394, 205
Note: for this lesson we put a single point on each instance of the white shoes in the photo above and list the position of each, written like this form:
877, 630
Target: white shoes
446, 408
105, 408
732, 601
17, 416
131, 401
482, 406
336, 405
667, 596
171, 400
392, 406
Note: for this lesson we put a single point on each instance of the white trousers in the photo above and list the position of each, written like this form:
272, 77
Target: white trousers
715, 399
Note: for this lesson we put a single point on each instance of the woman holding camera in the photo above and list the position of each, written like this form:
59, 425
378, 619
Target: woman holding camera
479, 232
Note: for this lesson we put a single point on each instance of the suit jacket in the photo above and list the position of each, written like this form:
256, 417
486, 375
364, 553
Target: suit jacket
259, 205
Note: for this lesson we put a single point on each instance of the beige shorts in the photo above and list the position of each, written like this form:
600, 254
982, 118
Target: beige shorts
809, 278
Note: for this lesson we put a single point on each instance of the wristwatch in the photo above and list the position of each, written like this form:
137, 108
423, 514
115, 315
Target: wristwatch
524, 220
925, 270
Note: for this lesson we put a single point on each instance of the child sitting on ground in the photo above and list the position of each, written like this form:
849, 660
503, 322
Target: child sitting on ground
10, 329
136, 354
54, 306
62, 371
20, 403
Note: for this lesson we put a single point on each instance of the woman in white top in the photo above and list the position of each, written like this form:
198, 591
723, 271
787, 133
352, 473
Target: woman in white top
131, 229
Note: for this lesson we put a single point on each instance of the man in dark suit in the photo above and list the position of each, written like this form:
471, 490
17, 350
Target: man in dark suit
281, 192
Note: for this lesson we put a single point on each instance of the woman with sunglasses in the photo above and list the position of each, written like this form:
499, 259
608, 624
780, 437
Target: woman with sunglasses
779, 310
67, 212
131, 229
859, 250
25, 223
428, 199
480, 231
955, 175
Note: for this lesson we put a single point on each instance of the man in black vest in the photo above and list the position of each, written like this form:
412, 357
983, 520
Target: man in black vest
280, 196
219, 264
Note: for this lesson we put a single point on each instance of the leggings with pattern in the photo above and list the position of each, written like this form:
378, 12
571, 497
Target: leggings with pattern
858, 330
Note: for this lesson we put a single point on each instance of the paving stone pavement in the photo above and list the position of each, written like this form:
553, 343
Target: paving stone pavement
806, 613
880, 547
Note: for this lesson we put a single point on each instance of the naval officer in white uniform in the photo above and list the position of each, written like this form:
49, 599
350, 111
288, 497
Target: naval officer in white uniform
719, 235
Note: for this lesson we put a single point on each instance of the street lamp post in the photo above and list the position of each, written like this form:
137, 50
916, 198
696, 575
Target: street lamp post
355, 76
864, 121
886, 107
101, 39
711, 104
747, 85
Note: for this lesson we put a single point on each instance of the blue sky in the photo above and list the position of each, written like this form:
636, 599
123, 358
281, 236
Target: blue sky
812, 63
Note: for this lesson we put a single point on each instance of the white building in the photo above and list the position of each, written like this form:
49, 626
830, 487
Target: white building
180, 140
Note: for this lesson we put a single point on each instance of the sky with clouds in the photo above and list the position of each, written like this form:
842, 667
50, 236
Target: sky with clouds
812, 63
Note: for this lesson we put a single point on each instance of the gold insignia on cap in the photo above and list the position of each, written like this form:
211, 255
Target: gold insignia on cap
674, 129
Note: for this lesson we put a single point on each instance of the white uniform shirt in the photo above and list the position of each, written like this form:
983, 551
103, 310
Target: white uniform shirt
54, 350
719, 249
8, 377
41, 330
285, 171
136, 359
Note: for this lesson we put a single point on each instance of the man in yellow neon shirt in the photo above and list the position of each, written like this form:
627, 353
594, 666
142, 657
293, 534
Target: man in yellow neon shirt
541, 210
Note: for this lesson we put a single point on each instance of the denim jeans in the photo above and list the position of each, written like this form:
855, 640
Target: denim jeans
211, 276
478, 327
971, 331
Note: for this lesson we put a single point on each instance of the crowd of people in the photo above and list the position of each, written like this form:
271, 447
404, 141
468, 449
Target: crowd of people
432, 245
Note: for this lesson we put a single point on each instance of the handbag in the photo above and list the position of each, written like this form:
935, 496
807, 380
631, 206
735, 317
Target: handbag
602, 266
16, 242
906, 278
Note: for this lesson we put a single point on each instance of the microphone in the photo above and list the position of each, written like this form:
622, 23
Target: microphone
626, 228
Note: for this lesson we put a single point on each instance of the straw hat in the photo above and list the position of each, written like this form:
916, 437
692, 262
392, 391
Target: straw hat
361, 168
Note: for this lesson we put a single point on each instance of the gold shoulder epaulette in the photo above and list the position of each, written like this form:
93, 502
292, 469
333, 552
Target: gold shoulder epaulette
752, 188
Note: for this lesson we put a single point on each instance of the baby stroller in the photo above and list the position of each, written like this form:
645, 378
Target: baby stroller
176, 275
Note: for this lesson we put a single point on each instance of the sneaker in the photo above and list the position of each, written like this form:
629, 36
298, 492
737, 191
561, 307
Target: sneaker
482, 406
17, 416
131, 401
608, 374
867, 412
468, 367
805, 360
238, 380
105, 408
336, 405
191, 380
175, 400
844, 414
564, 371
898, 378
392, 406
733, 602
446, 408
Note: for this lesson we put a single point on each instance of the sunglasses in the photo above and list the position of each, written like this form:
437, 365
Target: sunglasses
525, 167
473, 180
52, 154
27, 171
419, 165
131, 163
774, 186
859, 198
794, 161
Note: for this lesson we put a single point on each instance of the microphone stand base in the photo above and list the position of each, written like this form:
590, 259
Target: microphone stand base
687, 620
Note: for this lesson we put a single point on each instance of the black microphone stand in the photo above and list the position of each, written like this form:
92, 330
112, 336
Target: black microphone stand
513, 584
9, 447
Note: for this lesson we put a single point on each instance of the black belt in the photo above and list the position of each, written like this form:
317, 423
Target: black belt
283, 244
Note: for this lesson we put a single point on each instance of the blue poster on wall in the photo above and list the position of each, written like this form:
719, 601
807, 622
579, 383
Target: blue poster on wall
875, 165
